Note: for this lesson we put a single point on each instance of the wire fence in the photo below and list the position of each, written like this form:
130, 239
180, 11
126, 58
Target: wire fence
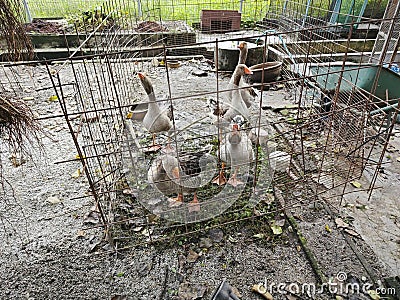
156, 10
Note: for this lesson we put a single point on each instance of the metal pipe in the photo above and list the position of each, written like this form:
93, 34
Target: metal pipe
139, 4
384, 109
28, 13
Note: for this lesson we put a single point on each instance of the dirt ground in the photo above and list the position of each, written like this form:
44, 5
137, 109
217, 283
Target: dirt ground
45, 254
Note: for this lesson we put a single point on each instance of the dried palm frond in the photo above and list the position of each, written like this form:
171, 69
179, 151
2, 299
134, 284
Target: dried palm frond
19, 45
18, 126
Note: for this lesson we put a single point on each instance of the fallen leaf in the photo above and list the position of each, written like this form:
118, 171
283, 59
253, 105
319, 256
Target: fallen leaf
129, 115
205, 243
232, 239
78, 157
340, 223
28, 98
192, 256
362, 207
338, 297
81, 233
284, 112
374, 295
356, 184
76, 174
259, 235
147, 232
53, 98
276, 229
351, 232
17, 161
327, 228
53, 200
298, 248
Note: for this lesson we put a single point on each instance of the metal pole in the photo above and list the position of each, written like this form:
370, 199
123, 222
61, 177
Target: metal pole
139, 5
241, 6
28, 13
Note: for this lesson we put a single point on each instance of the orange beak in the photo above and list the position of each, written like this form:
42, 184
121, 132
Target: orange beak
241, 46
175, 172
235, 127
141, 76
247, 71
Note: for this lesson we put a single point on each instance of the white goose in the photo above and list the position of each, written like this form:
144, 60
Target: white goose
236, 152
155, 120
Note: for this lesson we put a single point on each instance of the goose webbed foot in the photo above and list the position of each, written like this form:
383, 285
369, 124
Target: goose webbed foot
194, 205
233, 181
153, 147
174, 202
220, 179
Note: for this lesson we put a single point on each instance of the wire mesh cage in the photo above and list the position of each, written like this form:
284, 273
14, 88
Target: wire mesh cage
331, 127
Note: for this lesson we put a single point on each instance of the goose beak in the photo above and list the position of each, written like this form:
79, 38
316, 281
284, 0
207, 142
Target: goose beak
247, 71
141, 76
175, 172
235, 127
241, 45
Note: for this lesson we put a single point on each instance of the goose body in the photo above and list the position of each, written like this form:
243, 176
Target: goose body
183, 176
229, 108
247, 92
237, 105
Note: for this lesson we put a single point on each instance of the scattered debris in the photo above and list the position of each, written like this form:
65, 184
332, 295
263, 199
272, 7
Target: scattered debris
42, 26
276, 229
53, 200
356, 184
189, 291
150, 26
199, 73
351, 232
327, 228
192, 256
216, 235
340, 223
77, 173
53, 98
205, 243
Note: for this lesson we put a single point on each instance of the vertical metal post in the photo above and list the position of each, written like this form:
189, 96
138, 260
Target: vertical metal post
306, 13
28, 13
139, 5
336, 11
241, 6
284, 7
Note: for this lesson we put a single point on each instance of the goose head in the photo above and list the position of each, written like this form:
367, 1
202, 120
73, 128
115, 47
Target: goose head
235, 136
243, 52
240, 70
146, 83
